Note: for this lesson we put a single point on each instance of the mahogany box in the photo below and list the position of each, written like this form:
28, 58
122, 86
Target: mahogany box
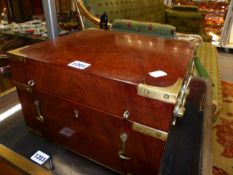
108, 96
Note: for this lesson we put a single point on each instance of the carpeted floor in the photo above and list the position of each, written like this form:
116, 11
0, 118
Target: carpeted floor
223, 135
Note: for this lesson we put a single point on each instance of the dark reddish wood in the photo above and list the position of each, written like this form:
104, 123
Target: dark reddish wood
117, 67
102, 93
112, 56
94, 134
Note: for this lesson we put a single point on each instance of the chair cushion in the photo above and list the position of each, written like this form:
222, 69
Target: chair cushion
146, 28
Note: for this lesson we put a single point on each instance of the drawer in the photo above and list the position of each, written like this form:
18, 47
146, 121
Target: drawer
94, 134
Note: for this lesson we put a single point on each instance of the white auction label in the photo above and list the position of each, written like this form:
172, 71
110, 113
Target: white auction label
158, 73
79, 65
40, 157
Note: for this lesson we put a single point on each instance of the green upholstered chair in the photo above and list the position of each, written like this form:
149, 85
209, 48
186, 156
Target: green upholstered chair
208, 57
186, 19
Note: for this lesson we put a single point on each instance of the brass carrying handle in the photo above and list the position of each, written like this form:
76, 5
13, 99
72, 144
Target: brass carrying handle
179, 108
122, 152
39, 116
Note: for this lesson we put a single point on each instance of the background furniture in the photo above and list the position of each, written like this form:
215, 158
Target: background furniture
185, 19
216, 12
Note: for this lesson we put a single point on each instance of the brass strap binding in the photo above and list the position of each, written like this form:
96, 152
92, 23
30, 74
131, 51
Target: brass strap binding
158, 134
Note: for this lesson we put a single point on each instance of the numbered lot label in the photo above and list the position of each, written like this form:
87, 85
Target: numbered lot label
40, 157
79, 65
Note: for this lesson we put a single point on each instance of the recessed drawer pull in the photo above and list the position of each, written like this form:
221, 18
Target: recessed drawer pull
122, 152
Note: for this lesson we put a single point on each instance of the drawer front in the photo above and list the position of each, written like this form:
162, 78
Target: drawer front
99, 136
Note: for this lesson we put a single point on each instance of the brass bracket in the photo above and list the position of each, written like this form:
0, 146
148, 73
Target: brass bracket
158, 134
164, 94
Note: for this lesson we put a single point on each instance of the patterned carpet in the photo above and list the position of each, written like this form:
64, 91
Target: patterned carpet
223, 135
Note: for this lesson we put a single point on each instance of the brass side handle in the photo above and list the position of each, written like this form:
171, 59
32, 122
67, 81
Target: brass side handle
39, 117
122, 152
179, 108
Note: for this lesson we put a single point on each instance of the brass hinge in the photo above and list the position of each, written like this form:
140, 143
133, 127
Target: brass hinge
158, 134
164, 94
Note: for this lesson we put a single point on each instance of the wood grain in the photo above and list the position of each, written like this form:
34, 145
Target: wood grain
102, 93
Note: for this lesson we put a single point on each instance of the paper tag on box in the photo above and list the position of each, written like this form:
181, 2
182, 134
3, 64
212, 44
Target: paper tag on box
158, 73
40, 157
79, 65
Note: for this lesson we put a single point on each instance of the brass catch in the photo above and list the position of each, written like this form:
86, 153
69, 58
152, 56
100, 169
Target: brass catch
164, 94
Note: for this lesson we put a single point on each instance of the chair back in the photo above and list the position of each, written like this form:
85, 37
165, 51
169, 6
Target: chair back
141, 10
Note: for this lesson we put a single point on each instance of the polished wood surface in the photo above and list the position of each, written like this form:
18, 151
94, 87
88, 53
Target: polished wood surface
101, 93
94, 134
117, 66
119, 56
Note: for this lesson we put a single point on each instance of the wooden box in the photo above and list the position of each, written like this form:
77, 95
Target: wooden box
108, 96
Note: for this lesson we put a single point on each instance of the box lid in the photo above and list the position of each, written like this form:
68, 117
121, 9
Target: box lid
120, 56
